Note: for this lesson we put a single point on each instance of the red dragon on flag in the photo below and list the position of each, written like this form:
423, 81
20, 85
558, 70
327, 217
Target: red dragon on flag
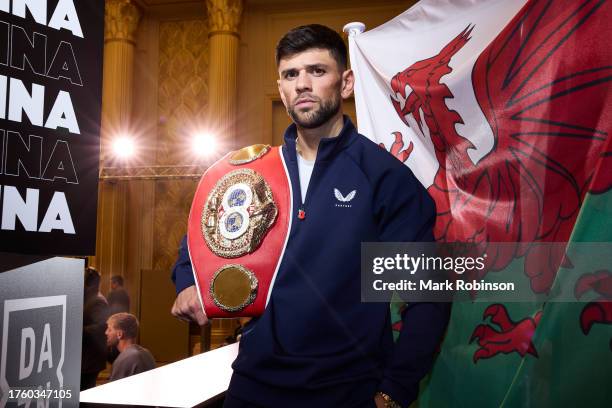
512, 337
545, 95
599, 310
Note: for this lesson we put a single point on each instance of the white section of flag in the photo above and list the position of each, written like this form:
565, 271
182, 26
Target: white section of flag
417, 34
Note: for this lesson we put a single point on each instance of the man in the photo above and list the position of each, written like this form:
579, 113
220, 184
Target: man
121, 332
118, 298
317, 344
95, 313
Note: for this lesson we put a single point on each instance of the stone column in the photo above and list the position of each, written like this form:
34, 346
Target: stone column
224, 18
120, 23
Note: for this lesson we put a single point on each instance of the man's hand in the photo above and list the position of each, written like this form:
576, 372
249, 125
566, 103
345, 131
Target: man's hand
384, 401
187, 306
380, 402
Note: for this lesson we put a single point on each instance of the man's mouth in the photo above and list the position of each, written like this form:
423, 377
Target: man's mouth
304, 102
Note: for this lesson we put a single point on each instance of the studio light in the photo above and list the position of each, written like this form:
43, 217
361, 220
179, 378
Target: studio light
204, 145
124, 147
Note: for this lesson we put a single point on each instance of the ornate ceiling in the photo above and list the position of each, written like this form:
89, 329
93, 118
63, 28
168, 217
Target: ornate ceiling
181, 3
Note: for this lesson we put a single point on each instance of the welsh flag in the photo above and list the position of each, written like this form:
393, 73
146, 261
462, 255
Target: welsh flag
503, 110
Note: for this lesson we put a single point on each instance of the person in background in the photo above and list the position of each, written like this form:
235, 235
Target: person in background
118, 297
118, 301
95, 313
121, 332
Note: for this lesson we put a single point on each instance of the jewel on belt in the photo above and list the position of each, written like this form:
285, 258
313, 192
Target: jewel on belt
238, 213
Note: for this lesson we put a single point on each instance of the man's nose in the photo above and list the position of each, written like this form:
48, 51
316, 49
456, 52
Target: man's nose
303, 83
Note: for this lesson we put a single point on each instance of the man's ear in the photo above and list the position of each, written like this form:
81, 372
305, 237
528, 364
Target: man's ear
348, 83
119, 334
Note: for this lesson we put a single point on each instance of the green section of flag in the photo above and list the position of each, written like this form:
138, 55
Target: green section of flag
571, 369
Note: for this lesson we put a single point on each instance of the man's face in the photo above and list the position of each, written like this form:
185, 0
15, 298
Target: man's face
311, 86
112, 333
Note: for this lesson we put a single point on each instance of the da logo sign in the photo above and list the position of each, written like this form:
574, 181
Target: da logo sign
33, 347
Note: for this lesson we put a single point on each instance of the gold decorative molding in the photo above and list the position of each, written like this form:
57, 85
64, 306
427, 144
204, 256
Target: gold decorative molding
190, 171
224, 15
121, 20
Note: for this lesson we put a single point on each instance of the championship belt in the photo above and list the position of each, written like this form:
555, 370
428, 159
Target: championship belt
238, 228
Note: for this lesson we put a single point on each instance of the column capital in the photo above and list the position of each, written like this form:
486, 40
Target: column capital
224, 16
121, 20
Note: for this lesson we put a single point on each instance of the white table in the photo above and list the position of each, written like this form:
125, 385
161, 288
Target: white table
185, 383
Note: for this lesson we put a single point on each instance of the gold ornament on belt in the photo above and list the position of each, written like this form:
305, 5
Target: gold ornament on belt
248, 154
238, 213
233, 287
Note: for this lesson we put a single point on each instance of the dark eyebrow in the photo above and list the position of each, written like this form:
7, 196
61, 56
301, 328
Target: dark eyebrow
308, 68
315, 66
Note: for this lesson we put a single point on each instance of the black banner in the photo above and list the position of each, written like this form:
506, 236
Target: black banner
50, 103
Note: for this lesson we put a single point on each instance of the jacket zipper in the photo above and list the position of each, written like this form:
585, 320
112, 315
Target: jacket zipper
312, 184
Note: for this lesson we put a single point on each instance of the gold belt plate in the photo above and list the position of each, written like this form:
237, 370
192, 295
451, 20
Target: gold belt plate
239, 211
248, 154
233, 287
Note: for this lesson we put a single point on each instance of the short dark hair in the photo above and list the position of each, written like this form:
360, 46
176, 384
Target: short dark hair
92, 277
310, 36
118, 279
126, 322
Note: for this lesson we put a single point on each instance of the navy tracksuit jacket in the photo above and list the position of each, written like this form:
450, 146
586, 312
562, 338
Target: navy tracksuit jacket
317, 344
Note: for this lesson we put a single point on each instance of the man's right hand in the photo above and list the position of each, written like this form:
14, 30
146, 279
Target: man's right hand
187, 306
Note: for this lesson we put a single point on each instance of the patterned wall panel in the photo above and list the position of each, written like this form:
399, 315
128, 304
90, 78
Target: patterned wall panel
172, 203
183, 90
182, 100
